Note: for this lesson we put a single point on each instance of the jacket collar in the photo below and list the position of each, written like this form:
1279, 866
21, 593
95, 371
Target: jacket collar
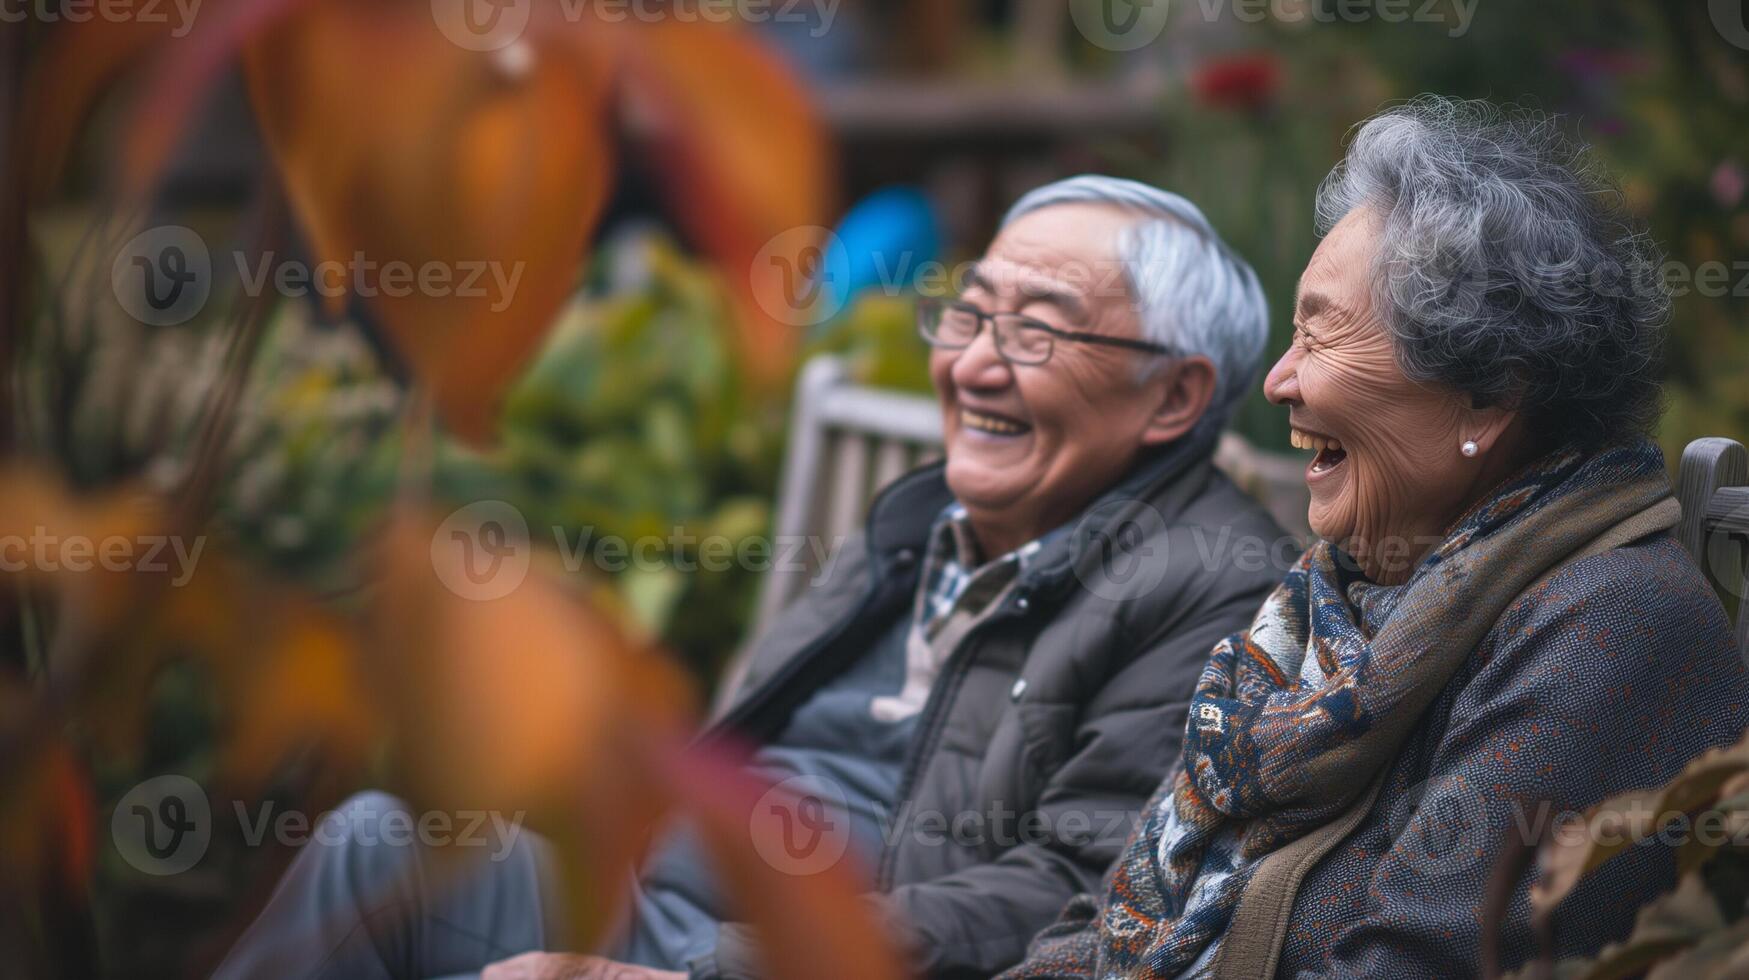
1158, 486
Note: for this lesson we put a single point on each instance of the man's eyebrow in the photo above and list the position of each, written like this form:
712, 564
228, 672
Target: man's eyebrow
1067, 300
975, 279
1034, 291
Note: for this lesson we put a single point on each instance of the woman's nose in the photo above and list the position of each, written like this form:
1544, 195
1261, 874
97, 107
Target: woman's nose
1283, 383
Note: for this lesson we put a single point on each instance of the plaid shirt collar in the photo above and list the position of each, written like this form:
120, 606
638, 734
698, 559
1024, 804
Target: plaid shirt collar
953, 576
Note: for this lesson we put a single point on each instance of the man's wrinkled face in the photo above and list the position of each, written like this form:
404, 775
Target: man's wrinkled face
1032, 445
1387, 469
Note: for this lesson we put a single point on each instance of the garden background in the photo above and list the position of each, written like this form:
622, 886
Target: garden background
652, 409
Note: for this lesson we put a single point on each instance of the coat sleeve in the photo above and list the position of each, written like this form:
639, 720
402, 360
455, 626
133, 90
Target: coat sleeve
1068, 949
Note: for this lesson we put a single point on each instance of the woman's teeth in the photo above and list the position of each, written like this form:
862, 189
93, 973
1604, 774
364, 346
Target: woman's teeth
1329, 451
990, 423
1305, 440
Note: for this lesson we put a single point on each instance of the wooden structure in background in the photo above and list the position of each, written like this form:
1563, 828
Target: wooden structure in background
1712, 485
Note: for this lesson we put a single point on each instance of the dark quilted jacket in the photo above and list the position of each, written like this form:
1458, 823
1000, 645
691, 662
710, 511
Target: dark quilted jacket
1051, 724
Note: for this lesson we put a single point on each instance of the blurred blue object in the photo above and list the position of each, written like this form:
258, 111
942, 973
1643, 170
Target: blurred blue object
883, 242
822, 41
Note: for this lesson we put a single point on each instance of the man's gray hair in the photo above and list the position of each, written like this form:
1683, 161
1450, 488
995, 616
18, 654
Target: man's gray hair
1191, 291
1507, 268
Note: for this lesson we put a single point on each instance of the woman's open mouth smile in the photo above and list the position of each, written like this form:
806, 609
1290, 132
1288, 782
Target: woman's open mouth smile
1330, 453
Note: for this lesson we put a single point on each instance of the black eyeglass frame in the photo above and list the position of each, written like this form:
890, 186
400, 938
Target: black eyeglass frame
939, 306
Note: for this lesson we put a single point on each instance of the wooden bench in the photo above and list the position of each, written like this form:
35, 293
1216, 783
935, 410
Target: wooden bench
1712, 484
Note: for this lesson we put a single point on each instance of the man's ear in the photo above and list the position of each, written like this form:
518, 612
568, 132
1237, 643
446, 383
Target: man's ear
1184, 389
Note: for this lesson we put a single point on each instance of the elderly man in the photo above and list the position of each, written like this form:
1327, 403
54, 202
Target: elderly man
994, 676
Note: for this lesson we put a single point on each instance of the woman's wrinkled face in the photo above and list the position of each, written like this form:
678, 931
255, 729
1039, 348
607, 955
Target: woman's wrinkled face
1388, 475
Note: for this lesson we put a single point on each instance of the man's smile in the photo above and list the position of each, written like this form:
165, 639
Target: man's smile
993, 423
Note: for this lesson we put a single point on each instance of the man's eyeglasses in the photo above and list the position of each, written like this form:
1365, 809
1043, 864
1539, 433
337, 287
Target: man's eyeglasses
953, 325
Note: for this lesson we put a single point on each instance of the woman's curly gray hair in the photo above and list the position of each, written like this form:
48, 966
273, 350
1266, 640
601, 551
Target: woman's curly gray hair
1507, 268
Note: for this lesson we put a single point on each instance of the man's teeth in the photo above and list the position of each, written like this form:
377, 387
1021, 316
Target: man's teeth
989, 423
1305, 440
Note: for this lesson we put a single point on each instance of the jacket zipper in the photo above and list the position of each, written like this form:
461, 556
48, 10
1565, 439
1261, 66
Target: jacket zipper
930, 725
794, 666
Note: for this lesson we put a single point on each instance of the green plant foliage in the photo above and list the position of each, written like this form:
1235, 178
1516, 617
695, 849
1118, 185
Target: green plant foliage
877, 335
630, 447
1655, 89
633, 444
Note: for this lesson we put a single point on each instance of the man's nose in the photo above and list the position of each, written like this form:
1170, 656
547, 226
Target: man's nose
1283, 383
981, 366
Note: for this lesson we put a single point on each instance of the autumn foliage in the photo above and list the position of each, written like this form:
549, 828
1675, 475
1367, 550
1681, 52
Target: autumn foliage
390, 140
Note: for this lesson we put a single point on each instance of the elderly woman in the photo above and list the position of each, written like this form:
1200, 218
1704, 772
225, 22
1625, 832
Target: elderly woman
1497, 626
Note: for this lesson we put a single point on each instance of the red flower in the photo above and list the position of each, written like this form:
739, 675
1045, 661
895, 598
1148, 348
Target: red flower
1246, 81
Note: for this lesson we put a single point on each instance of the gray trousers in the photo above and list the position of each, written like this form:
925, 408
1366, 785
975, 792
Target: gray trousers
366, 900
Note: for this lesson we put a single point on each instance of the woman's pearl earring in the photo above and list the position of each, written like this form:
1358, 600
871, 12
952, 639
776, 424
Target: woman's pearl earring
1470, 448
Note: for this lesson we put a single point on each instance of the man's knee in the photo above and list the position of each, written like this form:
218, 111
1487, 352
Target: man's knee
369, 837
371, 801
368, 818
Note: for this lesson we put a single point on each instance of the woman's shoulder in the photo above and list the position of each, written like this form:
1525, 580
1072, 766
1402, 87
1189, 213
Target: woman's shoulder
1615, 672
1639, 614
1648, 585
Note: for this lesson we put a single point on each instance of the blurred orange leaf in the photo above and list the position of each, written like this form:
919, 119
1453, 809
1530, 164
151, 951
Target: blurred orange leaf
89, 547
1622, 821
516, 695
48, 803
82, 59
129, 595
746, 161
504, 691
302, 686
476, 178
455, 190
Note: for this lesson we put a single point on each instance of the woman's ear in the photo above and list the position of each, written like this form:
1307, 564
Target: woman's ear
1487, 427
1185, 389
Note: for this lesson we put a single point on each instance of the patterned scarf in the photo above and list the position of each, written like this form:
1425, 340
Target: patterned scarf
1294, 717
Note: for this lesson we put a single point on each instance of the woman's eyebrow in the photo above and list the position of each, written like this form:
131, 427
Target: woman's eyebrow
1311, 304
